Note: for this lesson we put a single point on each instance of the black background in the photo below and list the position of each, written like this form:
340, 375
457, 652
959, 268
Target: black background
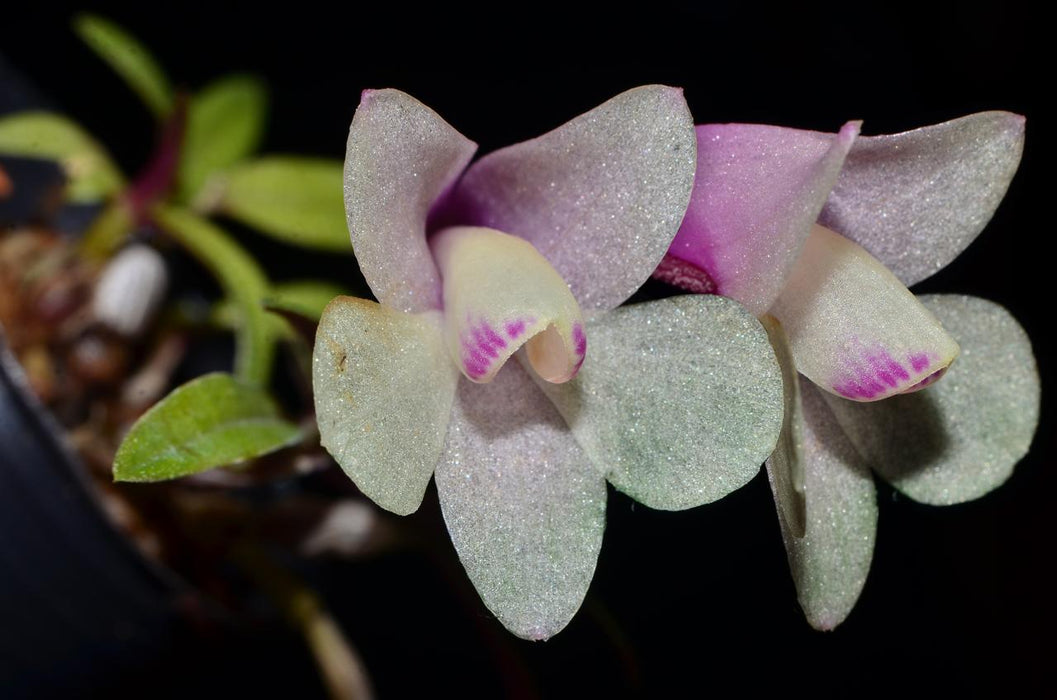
959, 599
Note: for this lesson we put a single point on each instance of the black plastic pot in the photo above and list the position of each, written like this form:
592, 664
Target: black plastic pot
78, 606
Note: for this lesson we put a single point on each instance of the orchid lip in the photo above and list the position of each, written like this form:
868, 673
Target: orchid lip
500, 294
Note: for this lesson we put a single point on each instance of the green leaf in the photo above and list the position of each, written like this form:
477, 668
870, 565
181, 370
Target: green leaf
240, 277
91, 173
225, 122
305, 297
297, 200
129, 59
209, 422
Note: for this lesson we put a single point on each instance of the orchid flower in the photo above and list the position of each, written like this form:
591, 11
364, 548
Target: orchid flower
527, 253
820, 234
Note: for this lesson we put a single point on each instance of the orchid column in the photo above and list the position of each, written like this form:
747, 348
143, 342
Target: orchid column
527, 253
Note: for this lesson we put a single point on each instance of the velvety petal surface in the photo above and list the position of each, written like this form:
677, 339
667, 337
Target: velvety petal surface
680, 401
384, 386
853, 328
500, 294
831, 560
758, 191
960, 438
600, 197
915, 200
400, 158
524, 507
785, 465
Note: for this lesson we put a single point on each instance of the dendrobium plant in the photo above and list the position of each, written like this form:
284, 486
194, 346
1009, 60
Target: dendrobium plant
819, 234
528, 252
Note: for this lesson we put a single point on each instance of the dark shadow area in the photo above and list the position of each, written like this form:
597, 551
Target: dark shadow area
899, 436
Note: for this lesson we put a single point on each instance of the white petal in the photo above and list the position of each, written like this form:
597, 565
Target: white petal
916, 200
960, 438
383, 386
601, 196
400, 158
854, 329
831, 561
679, 402
500, 293
524, 507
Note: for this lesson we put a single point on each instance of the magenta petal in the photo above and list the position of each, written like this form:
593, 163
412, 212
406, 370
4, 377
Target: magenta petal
400, 158
600, 197
758, 191
915, 200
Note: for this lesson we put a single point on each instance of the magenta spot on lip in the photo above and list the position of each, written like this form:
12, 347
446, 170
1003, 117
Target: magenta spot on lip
847, 389
862, 387
487, 340
896, 368
918, 361
482, 344
879, 373
855, 390
493, 338
476, 364
579, 339
886, 368
515, 328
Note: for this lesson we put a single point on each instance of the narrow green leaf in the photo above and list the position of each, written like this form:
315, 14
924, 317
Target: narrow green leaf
305, 297
129, 59
297, 200
209, 422
92, 175
225, 122
242, 280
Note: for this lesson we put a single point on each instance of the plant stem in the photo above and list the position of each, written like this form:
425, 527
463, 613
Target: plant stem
242, 280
